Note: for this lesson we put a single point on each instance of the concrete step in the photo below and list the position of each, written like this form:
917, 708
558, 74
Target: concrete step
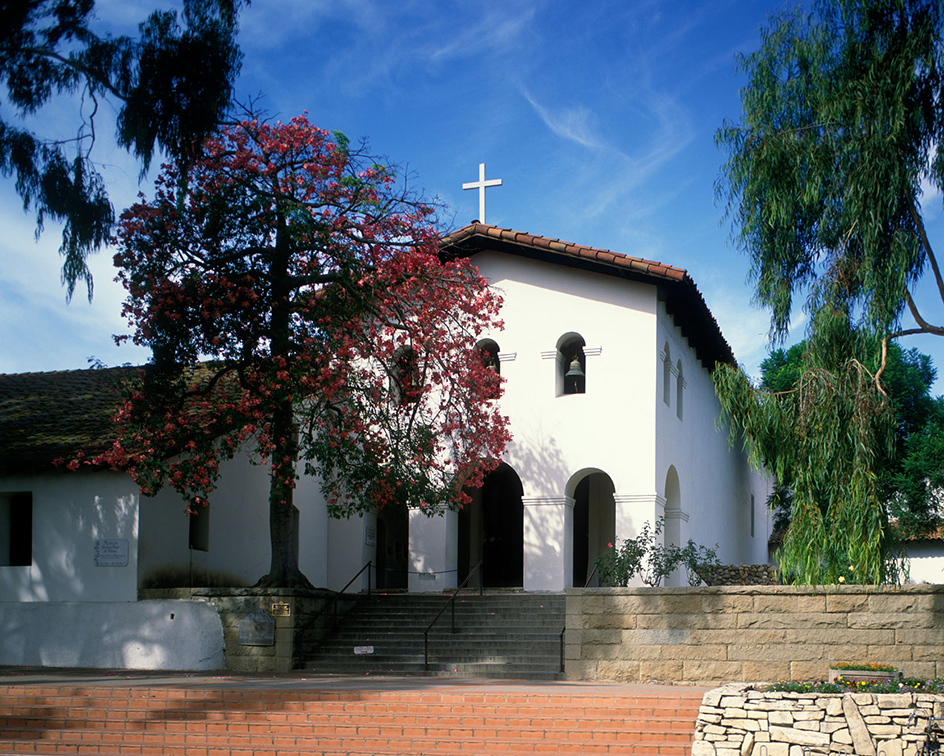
501, 635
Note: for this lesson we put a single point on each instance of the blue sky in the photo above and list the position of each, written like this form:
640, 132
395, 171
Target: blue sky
598, 116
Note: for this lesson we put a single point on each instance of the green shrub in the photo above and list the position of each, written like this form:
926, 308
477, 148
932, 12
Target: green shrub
650, 560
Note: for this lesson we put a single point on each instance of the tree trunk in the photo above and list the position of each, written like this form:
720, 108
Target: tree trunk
283, 516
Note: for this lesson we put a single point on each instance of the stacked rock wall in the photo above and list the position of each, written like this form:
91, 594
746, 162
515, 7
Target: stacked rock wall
740, 574
740, 720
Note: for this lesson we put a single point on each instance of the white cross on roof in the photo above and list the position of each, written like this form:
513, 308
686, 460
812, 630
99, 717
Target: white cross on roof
481, 185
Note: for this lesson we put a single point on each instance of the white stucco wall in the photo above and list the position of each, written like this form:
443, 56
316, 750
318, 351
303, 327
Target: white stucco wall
610, 427
71, 511
348, 551
74, 510
926, 562
433, 552
239, 552
620, 426
716, 481
158, 635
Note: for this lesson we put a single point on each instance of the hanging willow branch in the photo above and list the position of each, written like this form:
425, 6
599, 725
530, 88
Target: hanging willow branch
827, 440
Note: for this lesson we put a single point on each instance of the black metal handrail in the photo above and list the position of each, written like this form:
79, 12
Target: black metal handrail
451, 602
334, 599
590, 576
563, 630
333, 603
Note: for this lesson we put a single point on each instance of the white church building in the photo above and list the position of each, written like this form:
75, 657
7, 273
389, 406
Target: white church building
607, 363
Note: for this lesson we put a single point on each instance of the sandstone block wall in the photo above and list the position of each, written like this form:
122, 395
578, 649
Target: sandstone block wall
711, 635
740, 720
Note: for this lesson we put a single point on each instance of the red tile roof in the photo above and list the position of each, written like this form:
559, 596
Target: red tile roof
49, 416
683, 300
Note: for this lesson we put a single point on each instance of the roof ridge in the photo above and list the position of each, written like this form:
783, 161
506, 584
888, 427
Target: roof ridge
70, 371
674, 278
557, 245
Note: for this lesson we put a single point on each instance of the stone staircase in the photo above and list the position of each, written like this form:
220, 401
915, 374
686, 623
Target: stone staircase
498, 635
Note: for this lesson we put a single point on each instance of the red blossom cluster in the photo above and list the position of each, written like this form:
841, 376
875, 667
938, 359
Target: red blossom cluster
279, 292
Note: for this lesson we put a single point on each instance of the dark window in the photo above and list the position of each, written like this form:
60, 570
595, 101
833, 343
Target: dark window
406, 376
16, 529
200, 526
488, 349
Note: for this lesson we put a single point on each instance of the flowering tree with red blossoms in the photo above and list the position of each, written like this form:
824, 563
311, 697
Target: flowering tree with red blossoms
298, 310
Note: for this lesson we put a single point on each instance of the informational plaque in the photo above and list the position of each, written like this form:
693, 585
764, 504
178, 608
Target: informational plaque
427, 576
370, 535
257, 629
111, 552
280, 609
361, 650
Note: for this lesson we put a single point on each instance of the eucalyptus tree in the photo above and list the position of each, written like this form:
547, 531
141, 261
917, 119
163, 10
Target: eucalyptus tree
170, 86
841, 126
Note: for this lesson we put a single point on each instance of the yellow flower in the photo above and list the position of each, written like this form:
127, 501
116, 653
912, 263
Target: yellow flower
842, 579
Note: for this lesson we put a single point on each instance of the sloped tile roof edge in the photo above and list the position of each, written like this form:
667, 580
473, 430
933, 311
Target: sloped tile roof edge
56, 415
711, 344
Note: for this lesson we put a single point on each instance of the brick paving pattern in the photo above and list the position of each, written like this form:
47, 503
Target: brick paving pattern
495, 719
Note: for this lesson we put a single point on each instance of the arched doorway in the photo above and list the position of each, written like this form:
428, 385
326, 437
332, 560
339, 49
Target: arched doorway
673, 520
594, 523
491, 529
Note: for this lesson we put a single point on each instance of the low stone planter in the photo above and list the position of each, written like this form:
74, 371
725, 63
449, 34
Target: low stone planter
744, 720
862, 675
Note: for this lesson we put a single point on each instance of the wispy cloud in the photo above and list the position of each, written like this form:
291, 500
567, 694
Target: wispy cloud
618, 166
573, 124
498, 30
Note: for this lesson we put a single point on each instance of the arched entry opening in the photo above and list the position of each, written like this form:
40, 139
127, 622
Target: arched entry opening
491, 528
673, 519
594, 523
392, 555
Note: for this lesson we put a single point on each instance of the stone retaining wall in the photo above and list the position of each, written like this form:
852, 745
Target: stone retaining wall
741, 720
711, 635
290, 609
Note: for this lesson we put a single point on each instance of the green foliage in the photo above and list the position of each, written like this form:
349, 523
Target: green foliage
908, 684
915, 470
620, 564
920, 477
652, 561
171, 88
828, 439
841, 124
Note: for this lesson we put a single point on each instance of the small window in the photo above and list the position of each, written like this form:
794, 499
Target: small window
666, 375
679, 390
16, 529
405, 376
488, 349
200, 526
752, 515
571, 365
